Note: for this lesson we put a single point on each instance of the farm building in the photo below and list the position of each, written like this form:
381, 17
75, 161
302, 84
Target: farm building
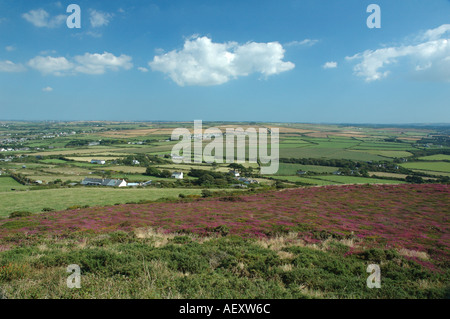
177, 175
134, 184
101, 162
104, 182
135, 162
246, 180
234, 173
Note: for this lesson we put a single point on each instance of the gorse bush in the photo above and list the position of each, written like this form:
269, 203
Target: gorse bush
19, 214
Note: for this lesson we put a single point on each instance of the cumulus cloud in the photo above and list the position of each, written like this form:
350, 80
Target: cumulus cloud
88, 63
330, 65
51, 65
142, 69
8, 66
41, 18
202, 62
98, 63
47, 89
100, 19
429, 57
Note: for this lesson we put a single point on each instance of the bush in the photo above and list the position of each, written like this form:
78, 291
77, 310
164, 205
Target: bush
47, 209
19, 214
206, 193
181, 240
222, 230
120, 236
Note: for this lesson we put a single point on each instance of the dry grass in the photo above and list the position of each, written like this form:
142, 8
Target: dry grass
285, 255
160, 239
413, 253
310, 292
286, 267
279, 242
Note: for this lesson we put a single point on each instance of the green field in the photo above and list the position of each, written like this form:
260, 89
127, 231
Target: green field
59, 199
306, 180
357, 180
7, 183
329, 153
429, 166
291, 169
392, 154
334, 179
437, 157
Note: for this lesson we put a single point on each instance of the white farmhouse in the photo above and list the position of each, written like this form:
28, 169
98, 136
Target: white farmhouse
101, 162
104, 182
177, 175
234, 173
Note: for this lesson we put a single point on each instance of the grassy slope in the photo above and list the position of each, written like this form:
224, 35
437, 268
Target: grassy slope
59, 199
144, 263
152, 265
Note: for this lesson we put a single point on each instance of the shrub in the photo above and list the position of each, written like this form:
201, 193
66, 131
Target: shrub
47, 209
19, 214
222, 230
206, 193
181, 240
120, 236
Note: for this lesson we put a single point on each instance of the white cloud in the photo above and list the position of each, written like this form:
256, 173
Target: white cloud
41, 18
202, 62
8, 66
98, 63
10, 48
100, 19
88, 63
142, 69
47, 89
51, 65
436, 33
429, 58
330, 65
306, 42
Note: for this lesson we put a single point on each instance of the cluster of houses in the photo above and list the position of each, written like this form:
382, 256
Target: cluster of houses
111, 182
102, 162
120, 182
9, 149
242, 179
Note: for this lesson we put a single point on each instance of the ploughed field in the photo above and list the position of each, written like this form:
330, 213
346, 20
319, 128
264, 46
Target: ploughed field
293, 243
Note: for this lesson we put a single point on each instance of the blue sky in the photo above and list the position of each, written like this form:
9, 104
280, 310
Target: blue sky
300, 61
